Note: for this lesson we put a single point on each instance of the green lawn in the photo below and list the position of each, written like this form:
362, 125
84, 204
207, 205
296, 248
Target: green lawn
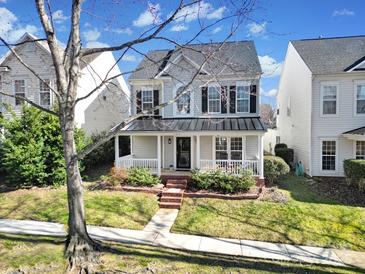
104, 208
306, 219
45, 255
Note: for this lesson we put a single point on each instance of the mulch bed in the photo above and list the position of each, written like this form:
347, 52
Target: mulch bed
253, 193
337, 189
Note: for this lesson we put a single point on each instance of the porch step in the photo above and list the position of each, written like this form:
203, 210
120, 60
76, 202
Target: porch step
176, 184
170, 205
167, 199
173, 192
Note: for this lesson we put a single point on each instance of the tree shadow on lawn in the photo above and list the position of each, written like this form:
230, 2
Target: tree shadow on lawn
214, 260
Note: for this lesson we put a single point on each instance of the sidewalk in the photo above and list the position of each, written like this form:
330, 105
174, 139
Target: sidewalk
159, 235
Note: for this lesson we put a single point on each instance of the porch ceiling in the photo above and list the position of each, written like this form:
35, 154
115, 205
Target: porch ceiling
196, 124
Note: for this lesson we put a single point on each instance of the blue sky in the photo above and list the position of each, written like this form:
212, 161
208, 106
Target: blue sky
271, 25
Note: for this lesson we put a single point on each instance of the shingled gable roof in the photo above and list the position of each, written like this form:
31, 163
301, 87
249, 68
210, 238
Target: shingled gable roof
331, 55
241, 57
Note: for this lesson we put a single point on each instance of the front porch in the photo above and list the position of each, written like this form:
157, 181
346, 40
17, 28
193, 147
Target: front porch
177, 153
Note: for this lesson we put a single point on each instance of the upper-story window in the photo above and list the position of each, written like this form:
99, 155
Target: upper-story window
45, 93
147, 99
329, 95
360, 150
183, 103
19, 88
214, 99
360, 97
243, 98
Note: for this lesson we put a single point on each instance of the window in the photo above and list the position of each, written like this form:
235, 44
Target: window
45, 93
214, 99
360, 98
360, 150
329, 155
183, 103
243, 98
329, 99
19, 91
147, 99
228, 148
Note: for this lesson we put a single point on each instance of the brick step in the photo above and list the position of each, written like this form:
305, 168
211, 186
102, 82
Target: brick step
171, 194
171, 199
171, 185
170, 205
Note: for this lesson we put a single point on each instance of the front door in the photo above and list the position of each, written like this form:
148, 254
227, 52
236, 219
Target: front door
183, 153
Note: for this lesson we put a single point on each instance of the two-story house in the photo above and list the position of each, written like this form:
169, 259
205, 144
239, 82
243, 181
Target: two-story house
321, 103
97, 112
216, 124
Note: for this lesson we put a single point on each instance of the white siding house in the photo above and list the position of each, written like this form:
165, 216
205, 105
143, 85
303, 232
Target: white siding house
99, 112
214, 124
321, 103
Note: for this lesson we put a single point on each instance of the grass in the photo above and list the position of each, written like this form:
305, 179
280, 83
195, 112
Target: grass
45, 255
306, 219
104, 208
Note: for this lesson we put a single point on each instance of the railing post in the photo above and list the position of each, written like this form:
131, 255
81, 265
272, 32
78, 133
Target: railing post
116, 150
198, 151
158, 155
261, 157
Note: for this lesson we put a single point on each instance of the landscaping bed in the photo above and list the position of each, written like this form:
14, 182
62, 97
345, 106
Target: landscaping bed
292, 214
192, 192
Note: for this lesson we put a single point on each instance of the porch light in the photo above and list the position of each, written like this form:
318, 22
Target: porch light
169, 141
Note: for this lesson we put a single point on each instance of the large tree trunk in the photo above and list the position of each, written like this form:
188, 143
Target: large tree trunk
79, 246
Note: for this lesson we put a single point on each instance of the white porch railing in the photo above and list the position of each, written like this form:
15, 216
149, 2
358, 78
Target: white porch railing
231, 166
129, 161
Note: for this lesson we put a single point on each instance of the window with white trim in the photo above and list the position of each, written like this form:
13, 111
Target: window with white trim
360, 98
329, 99
243, 98
19, 89
45, 93
214, 99
147, 99
360, 150
328, 155
183, 103
228, 148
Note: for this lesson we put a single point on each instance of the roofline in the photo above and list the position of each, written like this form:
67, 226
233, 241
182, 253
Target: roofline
329, 38
356, 64
349, 132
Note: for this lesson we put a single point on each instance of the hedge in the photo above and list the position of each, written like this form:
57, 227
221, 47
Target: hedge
355, 172
285, 153
274, 167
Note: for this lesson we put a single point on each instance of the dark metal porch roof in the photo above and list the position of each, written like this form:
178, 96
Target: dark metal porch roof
358, 131
195, 124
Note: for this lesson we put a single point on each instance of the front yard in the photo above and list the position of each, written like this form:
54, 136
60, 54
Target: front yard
103, 208
306, 218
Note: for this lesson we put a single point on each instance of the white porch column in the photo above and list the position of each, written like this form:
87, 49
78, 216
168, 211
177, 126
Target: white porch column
116, 149
261, 156
158, 155
198, 151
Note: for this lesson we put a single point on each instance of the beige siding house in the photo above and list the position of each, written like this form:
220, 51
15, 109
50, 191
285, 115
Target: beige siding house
215, 123
321, 103
99, 112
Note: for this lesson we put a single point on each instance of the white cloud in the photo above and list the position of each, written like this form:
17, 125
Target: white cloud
343, 12
121, 30
129, 58
10, 28
270, 67
87, 25
91, 37
179, 27
58, 16
216, 30
3, 1
256, 29
271, 93
150, 16
199, 10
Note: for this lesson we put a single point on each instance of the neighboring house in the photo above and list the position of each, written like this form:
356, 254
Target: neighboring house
98, 112
321, 103
216, 124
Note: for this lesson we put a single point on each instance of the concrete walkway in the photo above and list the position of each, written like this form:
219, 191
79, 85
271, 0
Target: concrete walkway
157, 233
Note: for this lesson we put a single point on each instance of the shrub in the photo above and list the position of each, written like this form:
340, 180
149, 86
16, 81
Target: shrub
222, 181
280, 145
274, 167
355, 172
32, 149
287, 154
103, 154
137, 176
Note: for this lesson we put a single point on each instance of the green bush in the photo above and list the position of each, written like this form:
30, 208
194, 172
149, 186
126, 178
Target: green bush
32, 149
287, 154
274, 167
102, 155
222, 181
137, 176
355, 172
280, 145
